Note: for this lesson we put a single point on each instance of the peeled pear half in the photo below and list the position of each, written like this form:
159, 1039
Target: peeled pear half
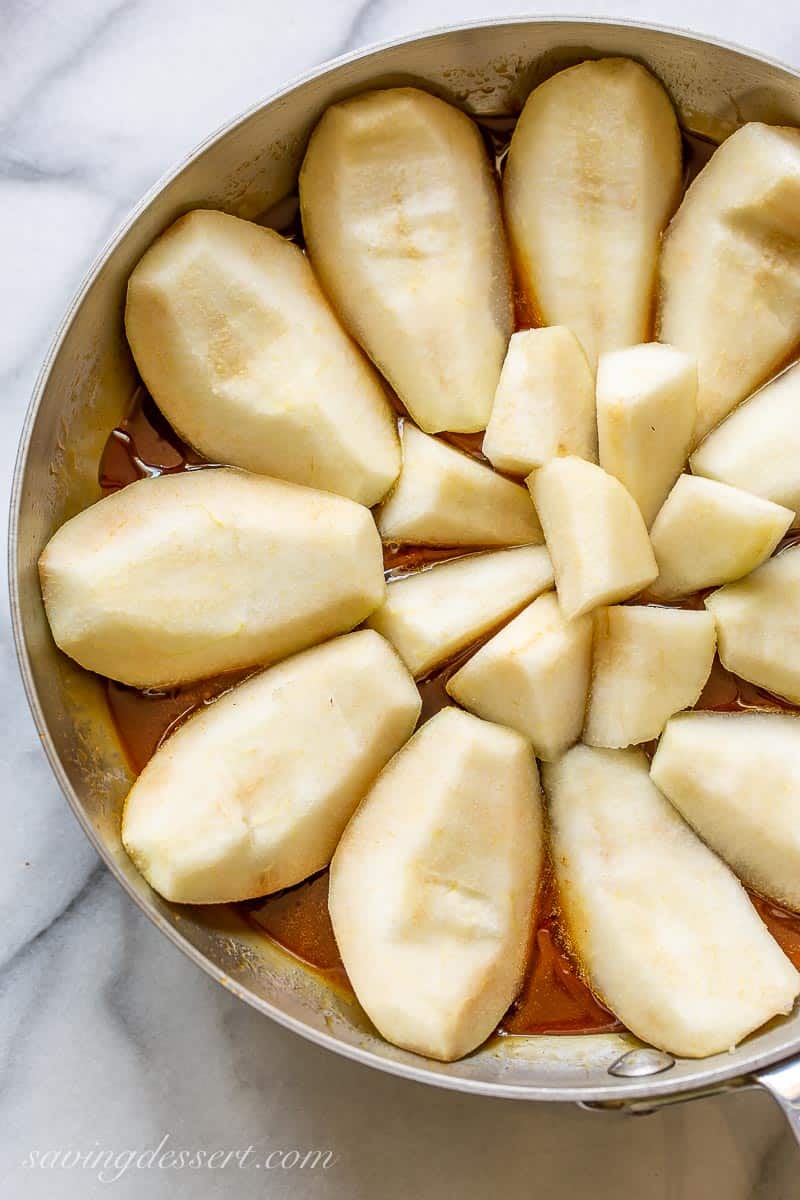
646, 412
735, 777
252, 794
648, 664
402, 221
532, 676
184, 576
244, 356
431, 615
709, 533
592, 177
445, 498
730, 268
757, 447
544, 404
595, 534
758, 625
433, 885
664, 931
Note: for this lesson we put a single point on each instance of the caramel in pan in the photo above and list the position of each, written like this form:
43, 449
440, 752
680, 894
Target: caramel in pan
554, 998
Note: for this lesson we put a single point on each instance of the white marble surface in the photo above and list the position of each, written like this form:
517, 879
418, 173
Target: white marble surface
109, 1039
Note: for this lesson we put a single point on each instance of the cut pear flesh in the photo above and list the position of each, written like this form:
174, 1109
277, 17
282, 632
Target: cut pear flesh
445, 498
402, 221
730, 268
592, 177
708, 533
735, 777
595, 534
758, 446
243, 355
532, 676
433, 885
646, 412
648, 664
184, 576
431, 615
663, 929
544, 405
758, 625
252, 794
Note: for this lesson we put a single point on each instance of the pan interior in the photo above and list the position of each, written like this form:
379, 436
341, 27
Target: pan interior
82, 394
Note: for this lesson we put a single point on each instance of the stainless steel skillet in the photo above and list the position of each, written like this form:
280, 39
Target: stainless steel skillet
81, 393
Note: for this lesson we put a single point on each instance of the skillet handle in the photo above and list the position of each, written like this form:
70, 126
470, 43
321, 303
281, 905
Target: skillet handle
783, 1083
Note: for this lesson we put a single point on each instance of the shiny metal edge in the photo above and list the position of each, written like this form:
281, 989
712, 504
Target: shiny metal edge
782, 1081
704, 1081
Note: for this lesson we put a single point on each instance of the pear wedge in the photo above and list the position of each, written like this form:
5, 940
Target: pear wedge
243, 355
648, 664
646, 413
592, 177
664, 931
730, 268
544, 404
402, 221
252, 793
184, 576
445, 498
433, 885
757, 447
758, 625
735, 777
708, 533
532, 676
431, 615
595, 534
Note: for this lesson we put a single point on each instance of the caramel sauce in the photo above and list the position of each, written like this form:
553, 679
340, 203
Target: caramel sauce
725, 692
298, 920
145, 719
554, 998
401, 559
144, 444
470, 443
783, 924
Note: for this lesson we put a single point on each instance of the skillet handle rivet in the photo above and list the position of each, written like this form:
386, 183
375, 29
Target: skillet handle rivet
644, 1061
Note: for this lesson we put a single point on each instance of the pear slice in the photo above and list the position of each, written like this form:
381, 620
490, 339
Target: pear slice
544, 404
708, 533
434, 883
532, 676
648, 664
730, 268
663, 929
646, 412
252, 794
592, 177
445, 498
243, 355
595, 534
184, 576
758, 625
402, 221
431, 615
735, 777
758, 446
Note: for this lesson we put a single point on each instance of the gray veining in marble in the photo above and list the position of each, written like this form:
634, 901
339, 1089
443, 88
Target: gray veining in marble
108, 1037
